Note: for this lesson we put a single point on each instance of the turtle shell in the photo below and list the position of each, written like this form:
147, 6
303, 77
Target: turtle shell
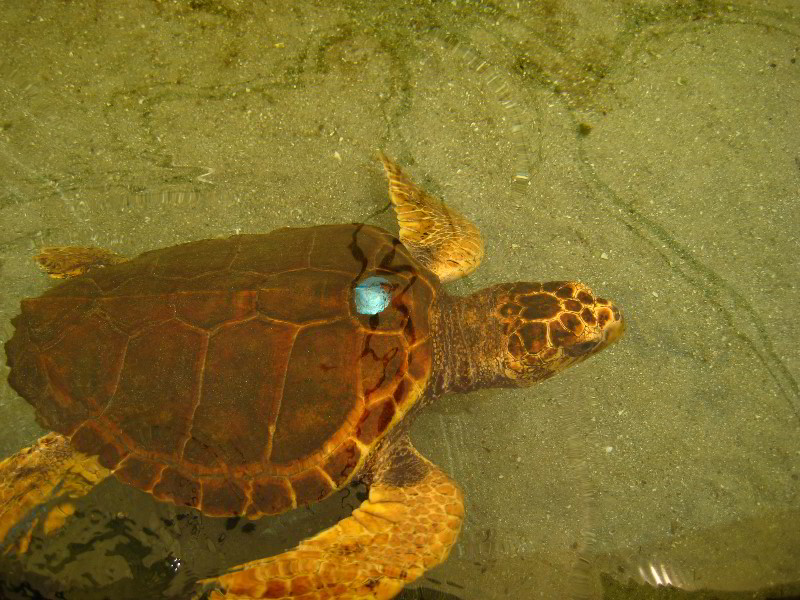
246, 375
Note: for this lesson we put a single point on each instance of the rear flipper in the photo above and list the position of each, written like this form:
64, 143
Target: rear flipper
408, 525
36, 485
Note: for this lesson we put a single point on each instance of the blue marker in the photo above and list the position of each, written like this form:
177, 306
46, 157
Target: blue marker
372, 295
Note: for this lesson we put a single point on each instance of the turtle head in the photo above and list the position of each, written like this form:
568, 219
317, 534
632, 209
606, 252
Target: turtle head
547, 327
515, 334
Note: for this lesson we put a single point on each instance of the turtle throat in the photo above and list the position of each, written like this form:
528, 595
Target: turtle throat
467, 344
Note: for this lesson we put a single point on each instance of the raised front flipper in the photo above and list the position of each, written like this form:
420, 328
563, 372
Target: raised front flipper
37, 483
407, 526
439, 237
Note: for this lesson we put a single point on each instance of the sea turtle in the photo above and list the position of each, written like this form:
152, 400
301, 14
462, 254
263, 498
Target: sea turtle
255, 374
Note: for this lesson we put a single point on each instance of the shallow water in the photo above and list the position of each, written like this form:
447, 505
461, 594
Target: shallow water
647, 148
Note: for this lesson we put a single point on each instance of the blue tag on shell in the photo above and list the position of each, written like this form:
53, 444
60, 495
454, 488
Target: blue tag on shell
372, 295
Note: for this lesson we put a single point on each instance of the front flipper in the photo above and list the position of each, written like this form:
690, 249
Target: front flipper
439, 237
34, 478
62, 262
407, 526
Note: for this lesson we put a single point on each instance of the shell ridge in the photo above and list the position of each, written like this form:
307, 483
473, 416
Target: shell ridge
94, 283
235, 254
231, 322
117, 376
276, 406
309, 268
148, 272
186, 324
161, 468
198, 399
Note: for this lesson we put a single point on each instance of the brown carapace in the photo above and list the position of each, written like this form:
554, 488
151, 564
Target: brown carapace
254, 374
233, 375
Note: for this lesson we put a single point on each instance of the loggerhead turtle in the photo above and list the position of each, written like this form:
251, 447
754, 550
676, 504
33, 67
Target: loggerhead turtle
259, 373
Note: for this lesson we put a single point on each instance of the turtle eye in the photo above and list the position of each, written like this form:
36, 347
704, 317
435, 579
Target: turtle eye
372, 295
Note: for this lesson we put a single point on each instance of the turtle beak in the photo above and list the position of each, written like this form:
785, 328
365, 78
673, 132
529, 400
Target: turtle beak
614, 329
